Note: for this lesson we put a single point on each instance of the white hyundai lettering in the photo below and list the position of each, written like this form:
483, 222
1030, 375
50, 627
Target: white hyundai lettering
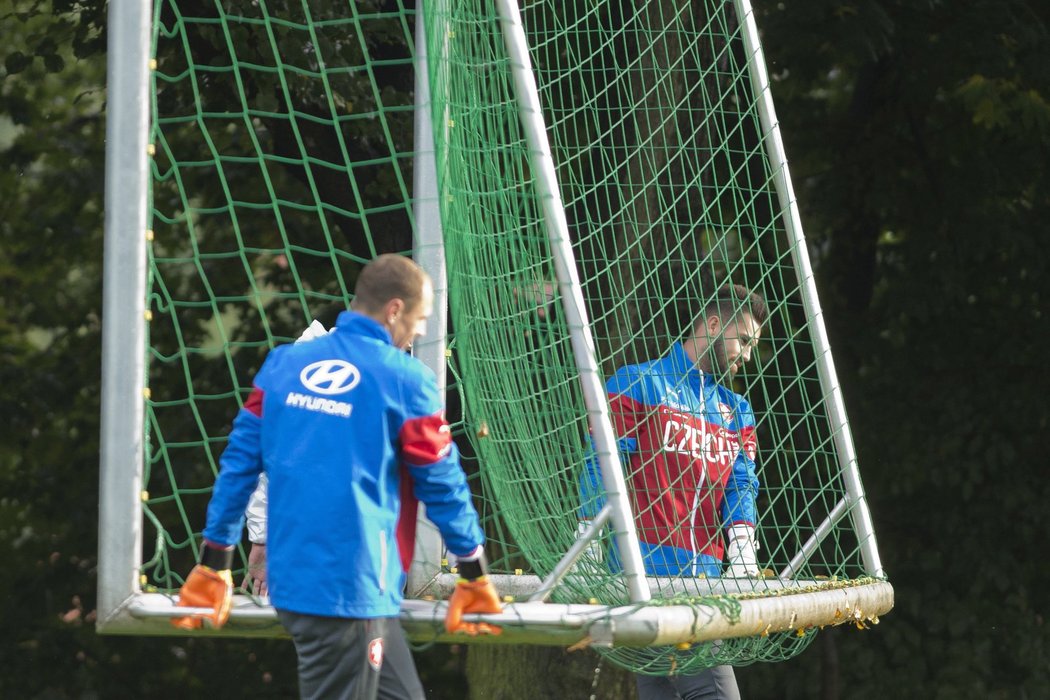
330, 377
316, 403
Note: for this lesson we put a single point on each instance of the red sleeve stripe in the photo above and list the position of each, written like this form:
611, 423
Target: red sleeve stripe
625, 414
254, 403
425, 440
406, 521
749, 441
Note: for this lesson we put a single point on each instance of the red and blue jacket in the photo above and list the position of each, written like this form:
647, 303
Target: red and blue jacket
688, 445
336, 423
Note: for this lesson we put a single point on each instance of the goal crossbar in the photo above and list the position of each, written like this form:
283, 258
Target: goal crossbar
696, 614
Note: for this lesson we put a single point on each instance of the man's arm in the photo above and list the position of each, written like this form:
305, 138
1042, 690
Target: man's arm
624, 419
739, 507
255, 519
438, 481
741, 490
255, 513
623, 410
210, 583
239, 469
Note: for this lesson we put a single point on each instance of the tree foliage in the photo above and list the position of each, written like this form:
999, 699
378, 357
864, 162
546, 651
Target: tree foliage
918, 135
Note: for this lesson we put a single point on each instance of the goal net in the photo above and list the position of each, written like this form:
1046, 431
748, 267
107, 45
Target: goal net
671, 189
283, 148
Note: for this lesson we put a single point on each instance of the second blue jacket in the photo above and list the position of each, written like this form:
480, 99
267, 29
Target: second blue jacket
688, 445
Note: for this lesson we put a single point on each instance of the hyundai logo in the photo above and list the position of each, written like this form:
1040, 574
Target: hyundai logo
330, 377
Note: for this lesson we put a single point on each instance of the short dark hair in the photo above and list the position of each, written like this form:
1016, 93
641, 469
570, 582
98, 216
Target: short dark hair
731, 300
387, 277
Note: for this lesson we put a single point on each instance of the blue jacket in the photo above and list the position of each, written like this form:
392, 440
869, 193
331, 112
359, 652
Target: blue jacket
333, 422
688, 446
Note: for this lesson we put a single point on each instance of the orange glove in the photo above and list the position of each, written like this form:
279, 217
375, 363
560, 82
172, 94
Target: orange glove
477, 596
206, 588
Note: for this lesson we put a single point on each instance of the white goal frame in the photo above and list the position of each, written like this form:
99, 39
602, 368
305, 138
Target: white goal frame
124, 607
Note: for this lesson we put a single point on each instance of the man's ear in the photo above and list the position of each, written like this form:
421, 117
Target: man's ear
393, 308
714, 326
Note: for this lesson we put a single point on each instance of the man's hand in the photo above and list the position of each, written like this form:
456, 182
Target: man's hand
477, 596
209, 585
741, 552
255, 577
315, 330
594, 547
206, 588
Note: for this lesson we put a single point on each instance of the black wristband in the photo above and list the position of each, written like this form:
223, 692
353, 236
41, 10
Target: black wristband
216, 558
472, 569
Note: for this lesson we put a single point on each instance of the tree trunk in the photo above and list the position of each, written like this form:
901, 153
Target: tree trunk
829, 664
498, 672
639, 262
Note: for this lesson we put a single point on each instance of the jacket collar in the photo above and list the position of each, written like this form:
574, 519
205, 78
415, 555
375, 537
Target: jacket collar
359, 324
684, 366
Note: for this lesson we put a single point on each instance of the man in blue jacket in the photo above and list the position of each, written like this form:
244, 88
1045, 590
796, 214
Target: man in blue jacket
688, 443
334, 422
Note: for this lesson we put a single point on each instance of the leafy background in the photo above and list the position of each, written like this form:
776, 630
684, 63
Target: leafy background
918, 134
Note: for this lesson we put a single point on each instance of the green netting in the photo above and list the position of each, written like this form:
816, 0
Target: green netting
669, 194
283, 161
283, 137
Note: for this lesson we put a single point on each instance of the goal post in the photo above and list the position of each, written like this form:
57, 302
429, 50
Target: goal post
430, 254
583, 350
578, 177
855, 503
124, 307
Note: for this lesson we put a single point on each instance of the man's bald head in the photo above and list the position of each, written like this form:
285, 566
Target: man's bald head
397, 293
389, 277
